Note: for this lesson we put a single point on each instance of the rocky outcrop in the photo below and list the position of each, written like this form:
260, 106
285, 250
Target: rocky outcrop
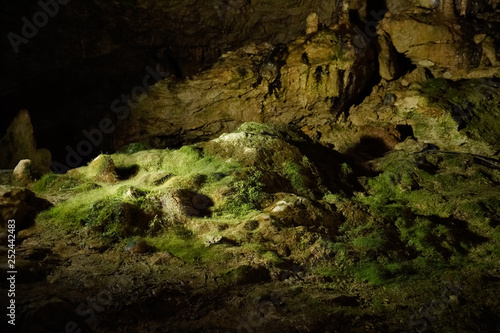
20, 204
438, 40
308, 82
454, 116
19, 143
23, 173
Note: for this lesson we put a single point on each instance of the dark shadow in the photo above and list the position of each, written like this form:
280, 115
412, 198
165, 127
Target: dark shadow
459, 234
425, 165
369, 148
405, 65
405, 131
494, 223
329, 165
127, 173
201, 204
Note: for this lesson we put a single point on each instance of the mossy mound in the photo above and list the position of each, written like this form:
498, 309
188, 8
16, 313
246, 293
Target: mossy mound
208, 190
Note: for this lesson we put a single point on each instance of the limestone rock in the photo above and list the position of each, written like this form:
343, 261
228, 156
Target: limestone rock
387, 57
417, 75
23, 173
21, 205
19, 143
398, 6
312, 23
442, 45
307, 82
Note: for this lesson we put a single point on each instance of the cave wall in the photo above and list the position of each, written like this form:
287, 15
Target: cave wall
87, 53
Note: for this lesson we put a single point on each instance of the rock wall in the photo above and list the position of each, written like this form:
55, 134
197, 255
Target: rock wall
452, 40
308, 82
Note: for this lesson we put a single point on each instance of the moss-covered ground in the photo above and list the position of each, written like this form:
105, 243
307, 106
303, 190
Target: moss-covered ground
413, 244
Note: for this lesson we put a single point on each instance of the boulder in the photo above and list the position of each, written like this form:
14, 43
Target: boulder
387, 57
24, 173
102, 169
19, 204
312, 23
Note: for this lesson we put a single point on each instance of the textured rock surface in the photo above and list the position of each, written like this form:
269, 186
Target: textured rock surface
309, 82
439, 41
19, 143
23, 173
440, 112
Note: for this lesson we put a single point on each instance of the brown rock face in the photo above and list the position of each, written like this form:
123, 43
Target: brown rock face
19, 143
438, 39
308, 82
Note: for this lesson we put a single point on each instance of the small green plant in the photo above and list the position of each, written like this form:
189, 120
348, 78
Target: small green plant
345, 169
294, 174
371, 272
248, 194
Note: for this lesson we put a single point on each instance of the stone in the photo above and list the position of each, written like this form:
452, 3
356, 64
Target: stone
23, 173
21, 205
312, 23
399, 6
19, 143
423, 111
387, 57
415, 76
102, 169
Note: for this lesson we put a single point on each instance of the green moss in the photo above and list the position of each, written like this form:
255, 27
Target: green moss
473, 105
55, 183
374, 241
247, 194
45, 183
73, 213
373, 273
294, 174
184, 246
